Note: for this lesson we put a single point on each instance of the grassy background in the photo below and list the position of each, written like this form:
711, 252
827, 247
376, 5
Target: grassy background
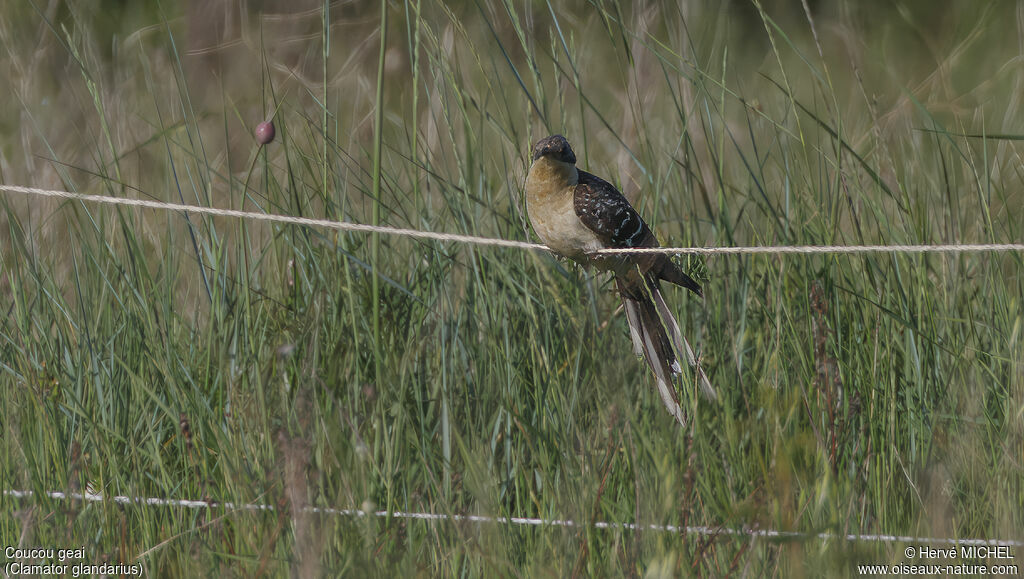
159, 354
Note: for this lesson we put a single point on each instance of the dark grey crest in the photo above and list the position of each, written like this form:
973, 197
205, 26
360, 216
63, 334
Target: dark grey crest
555, 147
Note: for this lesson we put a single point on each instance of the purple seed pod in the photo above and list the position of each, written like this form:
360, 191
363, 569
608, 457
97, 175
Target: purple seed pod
265, 132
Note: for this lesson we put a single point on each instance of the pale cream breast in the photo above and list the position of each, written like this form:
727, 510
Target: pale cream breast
549, 202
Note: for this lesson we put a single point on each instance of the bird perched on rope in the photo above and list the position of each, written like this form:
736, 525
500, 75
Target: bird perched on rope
576, 214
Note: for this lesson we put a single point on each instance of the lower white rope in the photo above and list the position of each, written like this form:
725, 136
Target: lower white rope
521, 521
475, 240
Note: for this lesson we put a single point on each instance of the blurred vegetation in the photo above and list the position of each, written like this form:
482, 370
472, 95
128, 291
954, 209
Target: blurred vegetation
180, 356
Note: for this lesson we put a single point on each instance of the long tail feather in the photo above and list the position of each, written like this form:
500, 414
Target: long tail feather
633, 317
655, 332
659, 356
681, 345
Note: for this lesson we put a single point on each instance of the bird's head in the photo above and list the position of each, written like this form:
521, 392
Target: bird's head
554, 147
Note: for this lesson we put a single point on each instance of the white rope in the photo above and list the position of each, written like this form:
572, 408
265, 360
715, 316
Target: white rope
523, 521
288, 219
805, 249
475, 240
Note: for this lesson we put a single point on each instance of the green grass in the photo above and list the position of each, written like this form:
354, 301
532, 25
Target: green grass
159, 354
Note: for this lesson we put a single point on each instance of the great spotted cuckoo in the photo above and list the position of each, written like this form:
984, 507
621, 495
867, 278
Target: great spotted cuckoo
576, 214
